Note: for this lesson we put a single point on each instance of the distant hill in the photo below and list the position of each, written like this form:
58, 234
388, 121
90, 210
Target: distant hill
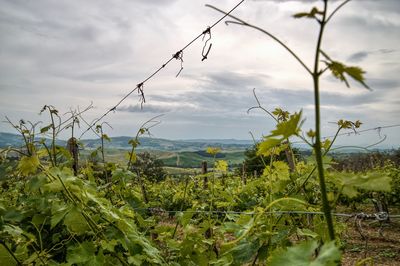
8, 139
146, 143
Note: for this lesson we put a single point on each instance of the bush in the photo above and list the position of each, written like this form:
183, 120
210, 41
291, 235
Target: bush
148, 166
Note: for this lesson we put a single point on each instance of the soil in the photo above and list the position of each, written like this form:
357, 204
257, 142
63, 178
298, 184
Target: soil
375, 243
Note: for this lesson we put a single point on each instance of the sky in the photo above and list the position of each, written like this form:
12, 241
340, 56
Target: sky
71, 54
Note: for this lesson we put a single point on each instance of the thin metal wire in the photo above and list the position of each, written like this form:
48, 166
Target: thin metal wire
378, 129
365, 130
364, 216
140, 85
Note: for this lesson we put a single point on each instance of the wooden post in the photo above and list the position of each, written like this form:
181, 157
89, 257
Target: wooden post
244, 174
289, 158
142, 187
204, 172
72, 147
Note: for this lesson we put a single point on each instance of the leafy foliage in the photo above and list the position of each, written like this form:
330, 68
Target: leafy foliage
53, 214
312, 14
303, 255
282, 132
339, 70
149, 166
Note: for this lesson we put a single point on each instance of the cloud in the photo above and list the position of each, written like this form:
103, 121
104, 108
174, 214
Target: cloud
360, 56
357, 57
147, 108
69, 53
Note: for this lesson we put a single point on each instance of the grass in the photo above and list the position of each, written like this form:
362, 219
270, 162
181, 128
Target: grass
182, 159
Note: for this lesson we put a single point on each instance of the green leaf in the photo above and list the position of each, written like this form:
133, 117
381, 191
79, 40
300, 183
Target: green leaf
186, 218
357, 74
265, 146
13, 215
53, 186
280, 114
136, 260
28, 165
105, 136
339, 70
303, 255
45, 129
36, 182
133, 142
58, 212
371, 181
244, 251
376, 181
281, 168
306, 232
109, 245
75, 222
5, 257
284, 130
93, 154
329, 255
288, 128
299, 255
225, 260
312, 14
81, 253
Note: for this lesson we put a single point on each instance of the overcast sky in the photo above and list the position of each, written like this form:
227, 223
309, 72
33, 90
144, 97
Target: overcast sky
72, 53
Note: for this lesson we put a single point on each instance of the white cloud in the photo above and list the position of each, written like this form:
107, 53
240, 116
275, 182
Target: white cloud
70, 53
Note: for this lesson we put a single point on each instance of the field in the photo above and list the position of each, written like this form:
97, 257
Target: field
178, 159
50, 216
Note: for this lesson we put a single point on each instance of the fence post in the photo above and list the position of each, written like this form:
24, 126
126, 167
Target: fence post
72, 147
244, 173
204, 172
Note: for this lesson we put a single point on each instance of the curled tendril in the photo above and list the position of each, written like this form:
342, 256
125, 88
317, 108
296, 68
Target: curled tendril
205, 51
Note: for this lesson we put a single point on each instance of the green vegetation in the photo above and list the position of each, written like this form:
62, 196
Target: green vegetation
57, 209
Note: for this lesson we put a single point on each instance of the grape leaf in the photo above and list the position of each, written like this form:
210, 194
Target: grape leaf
75, 222
5, 257
81, 253
303, 255
339, 70
28, 165
312, 14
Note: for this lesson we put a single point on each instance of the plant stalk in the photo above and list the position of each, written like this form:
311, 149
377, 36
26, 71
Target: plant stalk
317, 145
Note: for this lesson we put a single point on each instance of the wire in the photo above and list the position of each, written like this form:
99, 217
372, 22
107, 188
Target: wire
354, 132
139, 86
378, 216
365, 130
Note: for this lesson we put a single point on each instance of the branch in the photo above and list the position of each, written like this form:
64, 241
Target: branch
260, 107
244, 23
336, 10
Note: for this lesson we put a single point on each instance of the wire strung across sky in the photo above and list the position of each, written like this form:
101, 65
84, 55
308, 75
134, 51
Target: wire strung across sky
354, 132
178, 56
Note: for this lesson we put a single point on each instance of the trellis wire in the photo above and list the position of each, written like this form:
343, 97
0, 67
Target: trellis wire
378, 129
177, 55
381, 216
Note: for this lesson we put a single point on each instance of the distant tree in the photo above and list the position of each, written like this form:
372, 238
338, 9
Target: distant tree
149, 167
254, 163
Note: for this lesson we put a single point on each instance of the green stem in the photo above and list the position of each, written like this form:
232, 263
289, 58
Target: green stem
184, 198
53, 139
11, 253
317, 146
49, 153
